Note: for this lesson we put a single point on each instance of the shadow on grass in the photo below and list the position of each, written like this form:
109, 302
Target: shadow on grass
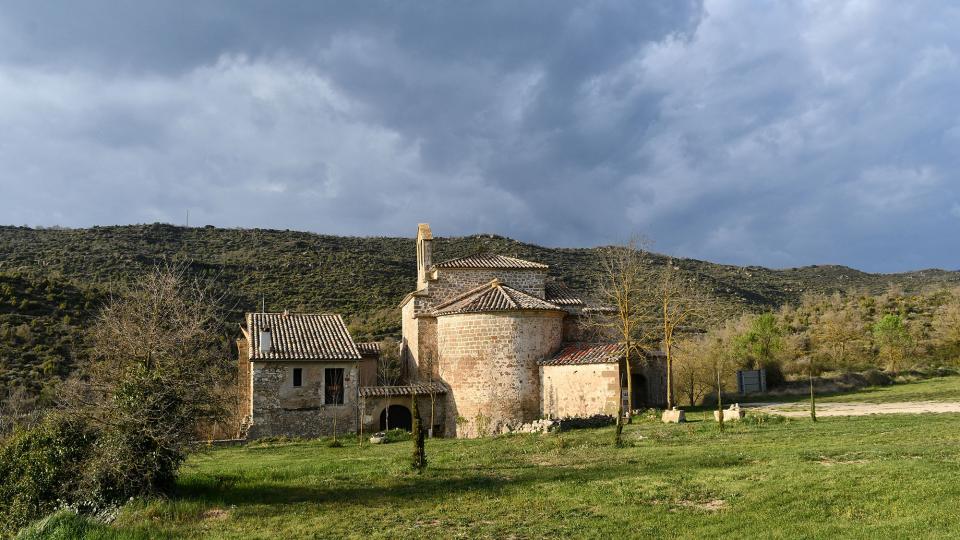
437, 483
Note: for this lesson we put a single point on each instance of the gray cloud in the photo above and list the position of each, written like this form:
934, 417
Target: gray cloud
779, 134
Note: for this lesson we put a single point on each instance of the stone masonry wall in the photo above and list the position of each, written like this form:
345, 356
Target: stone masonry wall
244, 381
451, 282
420, 337
279, 408
580, 391
489, 362
372, 407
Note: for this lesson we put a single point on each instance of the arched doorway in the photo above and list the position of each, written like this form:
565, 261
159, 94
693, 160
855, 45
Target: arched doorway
400, 418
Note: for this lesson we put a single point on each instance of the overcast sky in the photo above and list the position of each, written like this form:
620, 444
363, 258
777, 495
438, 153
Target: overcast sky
772, 133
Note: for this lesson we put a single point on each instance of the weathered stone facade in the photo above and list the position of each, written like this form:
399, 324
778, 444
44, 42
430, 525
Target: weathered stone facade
279, 408
577, 391
489, 360
481, 335
451, 282
432, 411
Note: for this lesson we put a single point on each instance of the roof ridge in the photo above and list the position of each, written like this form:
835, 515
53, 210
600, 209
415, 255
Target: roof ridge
489, 284
505, 291
505, 261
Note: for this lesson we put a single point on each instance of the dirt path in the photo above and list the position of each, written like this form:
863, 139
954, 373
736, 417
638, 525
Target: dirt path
856, 408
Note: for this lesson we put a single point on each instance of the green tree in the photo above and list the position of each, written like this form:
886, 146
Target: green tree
419, 461
759, 346
893, 341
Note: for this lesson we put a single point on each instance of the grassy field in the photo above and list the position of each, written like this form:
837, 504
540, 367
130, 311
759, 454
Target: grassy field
895, 476
936, 389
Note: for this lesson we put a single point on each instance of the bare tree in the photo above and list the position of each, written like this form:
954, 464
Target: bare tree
813, 399
389, 369
333, 395
946, 320
18, 409
151, 381
693, 357
839, 332
620, 285
679, 304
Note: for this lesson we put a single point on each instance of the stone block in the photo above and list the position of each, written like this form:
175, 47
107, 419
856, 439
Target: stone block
673, 416
729, 415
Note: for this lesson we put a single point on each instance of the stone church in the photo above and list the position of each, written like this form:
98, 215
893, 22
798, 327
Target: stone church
489, 343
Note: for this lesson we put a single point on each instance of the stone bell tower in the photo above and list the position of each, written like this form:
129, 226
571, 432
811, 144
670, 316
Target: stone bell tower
424, 254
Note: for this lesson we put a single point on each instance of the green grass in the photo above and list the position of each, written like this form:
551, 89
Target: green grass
939, 389
935, 389
893, 476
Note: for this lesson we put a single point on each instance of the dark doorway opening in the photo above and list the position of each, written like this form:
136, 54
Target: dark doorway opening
399, 418
639, 384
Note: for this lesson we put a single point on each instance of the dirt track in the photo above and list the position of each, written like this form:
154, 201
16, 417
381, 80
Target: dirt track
856, 408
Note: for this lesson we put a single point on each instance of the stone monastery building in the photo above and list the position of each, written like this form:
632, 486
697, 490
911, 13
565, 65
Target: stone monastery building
489, 343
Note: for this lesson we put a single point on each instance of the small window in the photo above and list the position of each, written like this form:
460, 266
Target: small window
333, 386
297, 376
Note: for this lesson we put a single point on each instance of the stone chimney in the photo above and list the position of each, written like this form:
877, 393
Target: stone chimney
265, 341
424, 254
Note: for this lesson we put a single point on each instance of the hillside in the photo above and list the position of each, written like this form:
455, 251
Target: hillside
52, 280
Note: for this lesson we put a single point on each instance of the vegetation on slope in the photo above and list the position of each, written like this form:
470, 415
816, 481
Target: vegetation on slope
53, 280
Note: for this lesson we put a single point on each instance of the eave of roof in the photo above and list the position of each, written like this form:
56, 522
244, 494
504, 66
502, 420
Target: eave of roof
405, 390
370, 348
490, 261
575, 354
493, 296
558, 293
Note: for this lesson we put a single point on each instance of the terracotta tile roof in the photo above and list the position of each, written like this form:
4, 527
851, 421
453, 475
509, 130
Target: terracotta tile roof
406, 390
559, 294
593, 353
371, 348
579, 353
493, 296
301, 336
487, 260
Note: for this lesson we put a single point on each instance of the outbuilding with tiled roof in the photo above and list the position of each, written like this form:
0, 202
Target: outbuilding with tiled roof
299, 336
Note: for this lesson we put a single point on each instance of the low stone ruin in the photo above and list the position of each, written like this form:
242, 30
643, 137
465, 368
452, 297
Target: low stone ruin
729, 415
673, 416
537, 426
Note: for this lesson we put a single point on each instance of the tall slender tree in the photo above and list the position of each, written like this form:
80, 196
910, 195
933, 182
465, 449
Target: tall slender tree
419, 461
620, 281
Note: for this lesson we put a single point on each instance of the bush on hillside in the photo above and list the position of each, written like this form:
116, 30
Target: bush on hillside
40, 469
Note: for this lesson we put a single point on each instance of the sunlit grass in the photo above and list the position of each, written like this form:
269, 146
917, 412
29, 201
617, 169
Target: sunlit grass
894, 476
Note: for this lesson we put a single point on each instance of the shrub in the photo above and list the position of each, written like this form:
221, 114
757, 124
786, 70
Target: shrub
757, 418
40, 469
396, 435
876, 377
63, 524
595, 421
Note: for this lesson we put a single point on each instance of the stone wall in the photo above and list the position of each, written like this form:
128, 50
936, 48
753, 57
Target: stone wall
655, 371
372, 407
580, 391
244, 381
451, 282
420, 340
279, 408
489, 361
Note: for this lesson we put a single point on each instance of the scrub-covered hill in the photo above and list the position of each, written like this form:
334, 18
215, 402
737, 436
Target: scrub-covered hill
52, 280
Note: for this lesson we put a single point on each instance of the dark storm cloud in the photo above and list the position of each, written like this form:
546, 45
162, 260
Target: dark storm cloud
779, 134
